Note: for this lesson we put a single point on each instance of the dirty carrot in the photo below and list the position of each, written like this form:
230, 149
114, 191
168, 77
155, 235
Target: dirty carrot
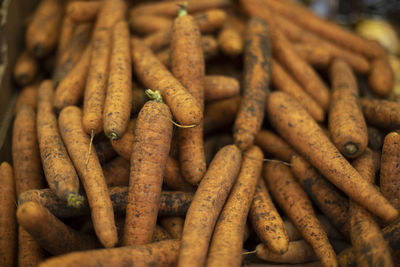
294, 202
207, 205
375, 138
27, 96
298, 252
123, 146
230, 41
274, 145
188, 67
67, 29
220, 114
83, 11
327, 198
152, 73
42, 33
313, 54
381, 113
146, 24
292, 232
8, 226
381, 78
345, 119
227, 241
173, 225
297, 127
111, 12
369, 246
266, 221
219, 86
173, 178
70, 90
257, 70
390, 169
149, 155
116, 172
160, 234
58, 169
163, 253
25, 68
281, 80
118, 102
30, 253
90, 173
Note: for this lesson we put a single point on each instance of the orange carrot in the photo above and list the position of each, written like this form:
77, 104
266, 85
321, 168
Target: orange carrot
381, 77
230, 41
67, 29
90, 173
381, 113
220, 114
219, 86
28, 96
117, 106
111, 12
163, 253
295, 203
315, 55
227, 241
274, 145
146, 24
153, 74
207, 205
58, 168
25, 69
345, 119
257, 67
123, 146
149, 155
42, 33
173, 178
173, 225
160, 234
266, 221
83, 11
297, 127
8, 226
116, 172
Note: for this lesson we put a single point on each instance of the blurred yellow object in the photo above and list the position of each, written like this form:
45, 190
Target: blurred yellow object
380, 30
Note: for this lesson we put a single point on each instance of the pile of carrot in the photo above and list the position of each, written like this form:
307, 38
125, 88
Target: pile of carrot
199, 133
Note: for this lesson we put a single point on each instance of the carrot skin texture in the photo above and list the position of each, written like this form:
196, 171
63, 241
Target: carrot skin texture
158, 254
152, 73
219, 87
28, 96
116, 172
274, 145
58, 168
315, 55
227, 242
83, 11
295, 203
25, 68
207, 205
381, 78
257, 68
173, 225
8, 226
309, 140
381, 113
153, 134
90, 173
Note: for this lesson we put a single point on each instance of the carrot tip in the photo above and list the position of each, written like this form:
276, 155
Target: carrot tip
113, 136
350, 148
74, 200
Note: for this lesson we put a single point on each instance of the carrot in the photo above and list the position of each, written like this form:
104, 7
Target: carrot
149, 155
163, 253
206, 206
116, 172
274, 145
389, 173
138, 98
171, 202
27, 96
111, 12
369, 246
219, 86
25, 69
30, 253
104, 150
144, 24
47, 230
67, 29
71, 55
42, 32
123, 146
294, 124
83, 11
173, 225
58, 168
295, 203
214, 143
90, 173
375, 138
292, 232
227, 241
327, 198
173, 178
8, 227
381, 78
153, 74
315, 55
117, 106
257, 67
188, 66
70, 90
296, 33
345, 119
160, 234
281, 80
266, 221
381, 113
230, 41
298, 252
220, 114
